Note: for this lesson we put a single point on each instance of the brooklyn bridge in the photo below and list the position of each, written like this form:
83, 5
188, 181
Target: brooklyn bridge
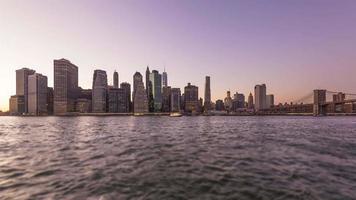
319, 102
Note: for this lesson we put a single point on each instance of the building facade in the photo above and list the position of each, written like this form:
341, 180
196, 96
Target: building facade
228, 101
127, 87
156, 80
164, 79
17, 105
22, 85
166, 99
191, 98
116, 79
99, 91
37, 94
269, 101
250, 102
140, 102
175, 100
65, 86
260, 97
117, 100
207, 94
219, 105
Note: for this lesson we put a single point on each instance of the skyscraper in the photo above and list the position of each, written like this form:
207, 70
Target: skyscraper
250, 101
137, 78
191, 98
175, 100
37, 94
117, 100
127, 88
116, 79
65, 86
156, 80
166, 99
260, 97
238, 101
207, 94
149, 90
228, 101
140, 95
164, 79
269, 101
22, 85
100, 86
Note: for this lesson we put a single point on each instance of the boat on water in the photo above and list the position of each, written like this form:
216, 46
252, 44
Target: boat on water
177, 114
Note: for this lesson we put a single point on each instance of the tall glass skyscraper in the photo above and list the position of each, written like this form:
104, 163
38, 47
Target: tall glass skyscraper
37, 94
22, 85
100, 87
207, 94
156, 80
65, 86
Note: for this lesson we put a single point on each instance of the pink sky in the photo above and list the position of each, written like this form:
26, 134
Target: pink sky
292, 46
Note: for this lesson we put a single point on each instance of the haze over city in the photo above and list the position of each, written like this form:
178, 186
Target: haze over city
293, 47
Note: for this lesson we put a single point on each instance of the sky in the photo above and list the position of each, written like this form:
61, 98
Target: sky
291, 46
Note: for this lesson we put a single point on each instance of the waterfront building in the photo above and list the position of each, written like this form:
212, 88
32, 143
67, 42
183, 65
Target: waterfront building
22, 85
219, 105
127, 88
269, 101
164, 79
238, 102
149, 91
207, 95
50, 100
65, 86
17, 104
228, 101
191, 98
250, 101
83, 105
137, 78
140, 102
117, 100
99, 92
156, 80
175, 100
166, 99
116, 79
260, 97
37, 94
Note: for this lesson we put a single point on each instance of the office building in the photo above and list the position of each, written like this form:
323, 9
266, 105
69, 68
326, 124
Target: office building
166, 99
117, 100
219, 105
175, 100
50, 100
191, 98
207, 95
22, 84
137, 78
140, 102
116, 79
17, 104
228, 101
250, 101
149, 90
65, 86
156, 80
127, 88
238, 102
260, 97
269, 101
164, 79
37, 94
99, 92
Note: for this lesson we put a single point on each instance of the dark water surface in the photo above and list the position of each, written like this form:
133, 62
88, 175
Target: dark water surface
178, 158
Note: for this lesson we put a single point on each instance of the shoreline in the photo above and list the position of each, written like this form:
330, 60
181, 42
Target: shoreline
188, 115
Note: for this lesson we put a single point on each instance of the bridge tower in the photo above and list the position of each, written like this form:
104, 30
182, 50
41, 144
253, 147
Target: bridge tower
319, 102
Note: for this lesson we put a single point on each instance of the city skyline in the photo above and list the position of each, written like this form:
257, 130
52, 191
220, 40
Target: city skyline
237, 48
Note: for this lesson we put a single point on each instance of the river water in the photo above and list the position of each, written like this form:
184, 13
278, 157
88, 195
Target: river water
178, 158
